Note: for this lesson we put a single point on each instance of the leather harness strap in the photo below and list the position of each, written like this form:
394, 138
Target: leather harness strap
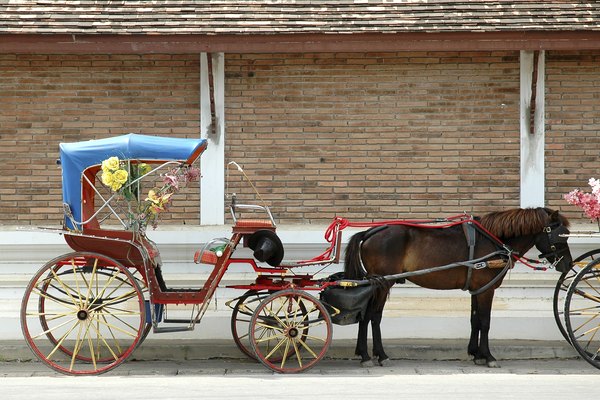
469, 230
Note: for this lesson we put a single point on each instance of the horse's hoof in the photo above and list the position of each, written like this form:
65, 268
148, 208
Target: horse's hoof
367, 364
384, 363
480, 361
493, 364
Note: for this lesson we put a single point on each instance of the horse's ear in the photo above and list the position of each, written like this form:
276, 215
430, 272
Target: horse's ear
556, 216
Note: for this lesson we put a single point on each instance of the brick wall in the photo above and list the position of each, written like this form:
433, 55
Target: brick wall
376, 135
48, 99
572, 125
358, 135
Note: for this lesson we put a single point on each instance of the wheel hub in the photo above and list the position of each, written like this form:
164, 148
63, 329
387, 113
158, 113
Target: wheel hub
82, 315
292, 332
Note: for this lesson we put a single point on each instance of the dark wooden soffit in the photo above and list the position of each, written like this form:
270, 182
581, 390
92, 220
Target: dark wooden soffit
298, 43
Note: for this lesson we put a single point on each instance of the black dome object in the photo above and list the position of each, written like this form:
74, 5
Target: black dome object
267, 247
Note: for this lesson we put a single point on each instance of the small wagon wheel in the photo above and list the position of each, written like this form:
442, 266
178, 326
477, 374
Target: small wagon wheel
562, 285
83, 314
243, 310
279, 331
582, 313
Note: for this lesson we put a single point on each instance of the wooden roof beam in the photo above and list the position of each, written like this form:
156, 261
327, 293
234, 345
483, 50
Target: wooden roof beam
298, 43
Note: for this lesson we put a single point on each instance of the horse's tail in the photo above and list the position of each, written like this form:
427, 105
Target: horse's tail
354, 269
352, 263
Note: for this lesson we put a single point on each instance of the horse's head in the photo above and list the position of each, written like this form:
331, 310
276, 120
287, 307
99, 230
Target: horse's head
552, 242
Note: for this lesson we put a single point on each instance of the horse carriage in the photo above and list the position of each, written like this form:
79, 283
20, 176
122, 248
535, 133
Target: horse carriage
87, 311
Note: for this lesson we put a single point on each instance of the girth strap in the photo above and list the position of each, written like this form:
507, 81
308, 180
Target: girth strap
469, 230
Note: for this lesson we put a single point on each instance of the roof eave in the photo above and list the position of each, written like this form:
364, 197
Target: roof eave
297, 43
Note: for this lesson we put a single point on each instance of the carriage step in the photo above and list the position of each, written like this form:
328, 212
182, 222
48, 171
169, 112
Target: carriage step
180, 321
182, 290
170, 329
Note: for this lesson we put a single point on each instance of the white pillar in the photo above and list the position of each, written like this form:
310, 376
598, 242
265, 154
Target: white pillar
212, 163
532, 143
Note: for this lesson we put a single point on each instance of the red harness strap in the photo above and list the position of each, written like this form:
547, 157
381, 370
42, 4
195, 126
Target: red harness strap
339, 224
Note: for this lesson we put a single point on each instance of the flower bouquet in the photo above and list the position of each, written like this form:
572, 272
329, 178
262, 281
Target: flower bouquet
123, 177
588, 202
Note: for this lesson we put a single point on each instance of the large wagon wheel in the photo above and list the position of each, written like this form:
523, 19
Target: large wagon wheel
582, 313
279, 331
43, 321
562, 285
83, 313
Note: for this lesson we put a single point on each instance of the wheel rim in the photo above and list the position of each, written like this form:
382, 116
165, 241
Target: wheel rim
83, 313
582, 313
279, 331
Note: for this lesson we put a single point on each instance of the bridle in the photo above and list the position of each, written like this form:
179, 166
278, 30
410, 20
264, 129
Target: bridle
553, 244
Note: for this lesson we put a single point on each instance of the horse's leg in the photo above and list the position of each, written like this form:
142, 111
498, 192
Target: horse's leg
484, 312
377, 306
361, 341
473, 347
377, 342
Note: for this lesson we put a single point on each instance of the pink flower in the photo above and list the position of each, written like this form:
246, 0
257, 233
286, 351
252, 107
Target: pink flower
192, 174
171, 180
588, 202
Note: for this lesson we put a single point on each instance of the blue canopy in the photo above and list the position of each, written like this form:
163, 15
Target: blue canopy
78, 156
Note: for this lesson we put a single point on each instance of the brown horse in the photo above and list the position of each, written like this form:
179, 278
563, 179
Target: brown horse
408, 250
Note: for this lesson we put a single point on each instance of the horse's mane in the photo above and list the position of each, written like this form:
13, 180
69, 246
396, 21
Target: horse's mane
518, 221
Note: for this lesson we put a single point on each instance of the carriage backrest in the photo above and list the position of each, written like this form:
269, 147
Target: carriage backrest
127, 247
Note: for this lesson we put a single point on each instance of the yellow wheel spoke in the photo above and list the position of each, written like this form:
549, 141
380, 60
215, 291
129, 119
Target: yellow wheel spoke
91, 282
102, 293
52, 315
37, 291
112, 326
307, 348
269, 326
286, 352
270, 337
77, 347
120, 298
587, 295
311, 337
66, 287
114, 338
101, 338
75, 274
297, 352
594, 329
92, 352
62, 339
49, 330
281, 342
103, 315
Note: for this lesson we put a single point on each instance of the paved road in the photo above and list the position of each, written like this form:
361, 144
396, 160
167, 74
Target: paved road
339, 379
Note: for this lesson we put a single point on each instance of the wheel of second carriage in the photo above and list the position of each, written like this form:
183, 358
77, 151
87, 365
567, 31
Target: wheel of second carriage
582, 313
83, 314
562, 286
279, 331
